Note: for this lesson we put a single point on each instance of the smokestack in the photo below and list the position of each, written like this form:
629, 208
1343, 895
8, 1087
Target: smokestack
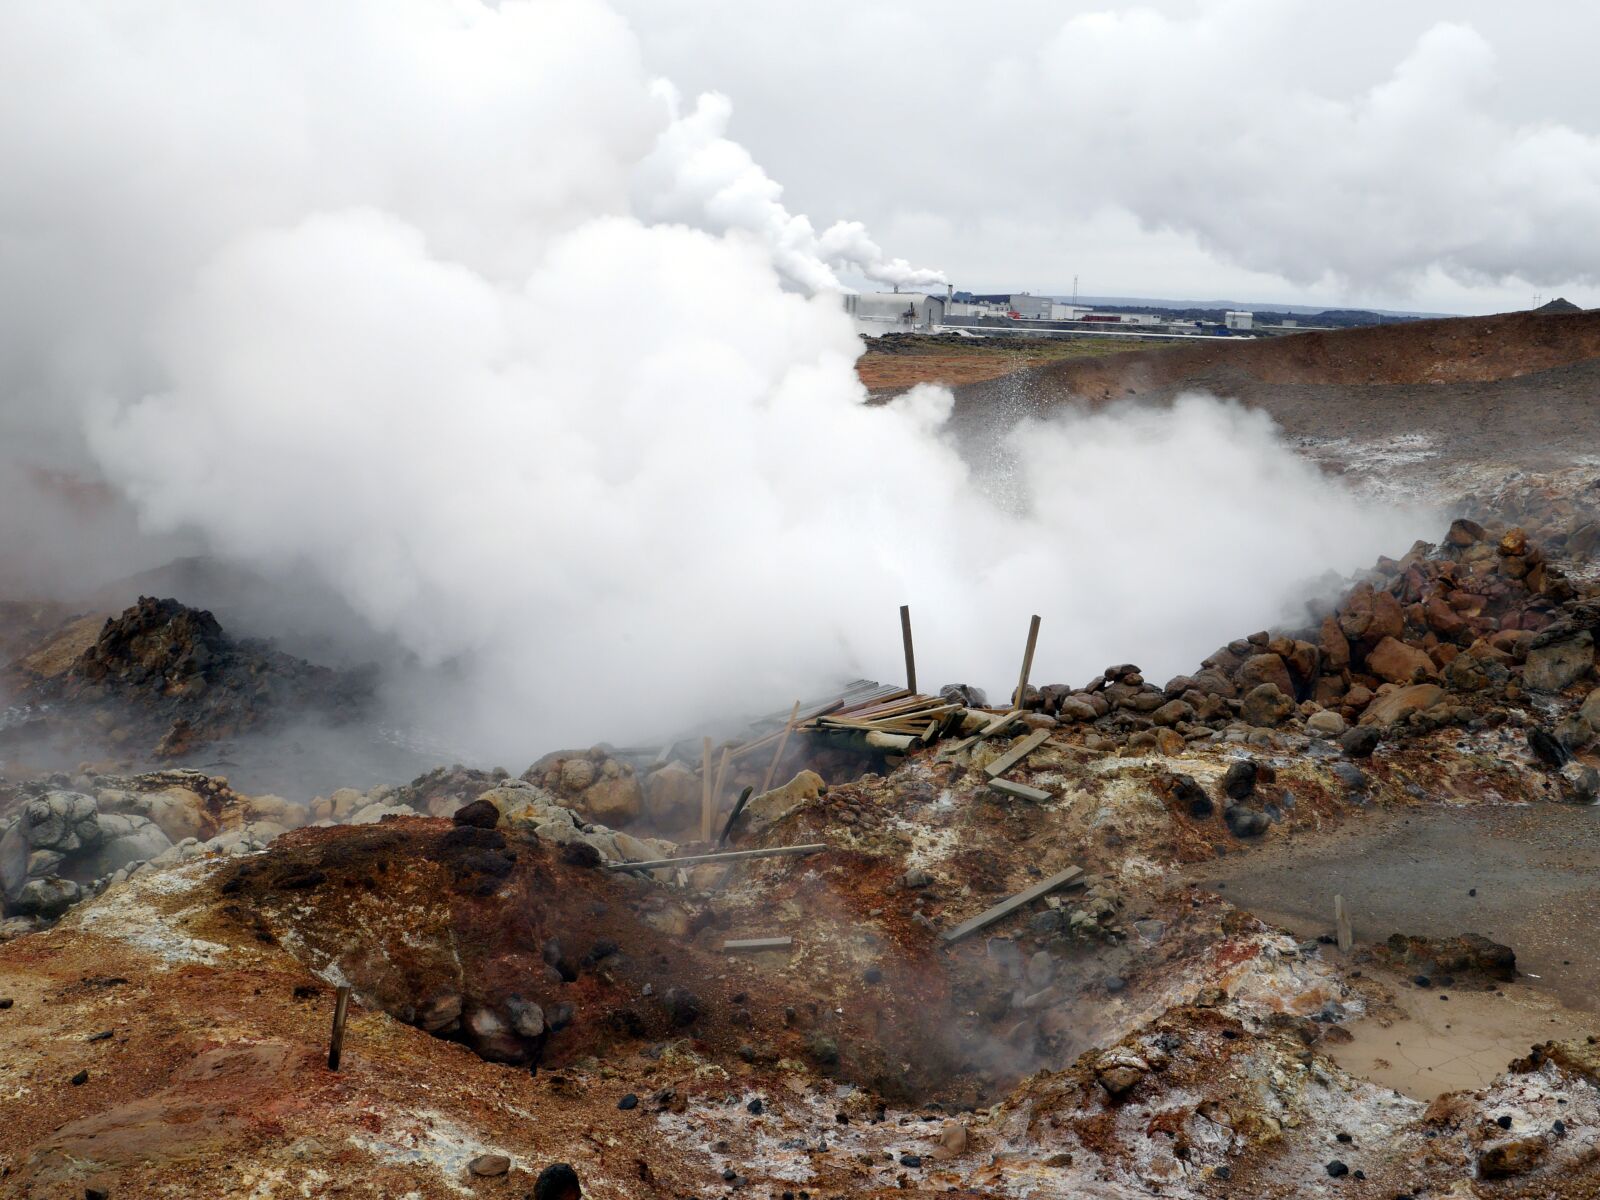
949, 292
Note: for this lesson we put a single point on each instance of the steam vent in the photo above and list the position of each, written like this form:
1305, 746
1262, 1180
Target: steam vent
541, 661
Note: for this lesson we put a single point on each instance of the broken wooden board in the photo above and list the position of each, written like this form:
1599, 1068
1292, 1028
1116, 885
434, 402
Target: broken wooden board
1019, 791
988, 731
720, 856
1005, 908
1017, 753
753, 945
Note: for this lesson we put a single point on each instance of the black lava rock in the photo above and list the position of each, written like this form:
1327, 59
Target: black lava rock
1336, 1169
480, 814
628, 1102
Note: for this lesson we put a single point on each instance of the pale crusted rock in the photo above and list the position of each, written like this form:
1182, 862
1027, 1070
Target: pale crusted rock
1401, 703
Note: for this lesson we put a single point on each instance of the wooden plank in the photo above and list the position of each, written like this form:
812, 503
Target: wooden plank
905, 636
777, 757
720, 856
341, 1009
749, 945
1020, 791
1005, 908
988, 731
1341, 922
1027, 661
1017, 753
705, 790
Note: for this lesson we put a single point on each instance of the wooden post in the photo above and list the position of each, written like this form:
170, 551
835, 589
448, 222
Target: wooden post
705, 790
911, 659
783, 742
716, 792
341, 1008
1027, 661
1341, 922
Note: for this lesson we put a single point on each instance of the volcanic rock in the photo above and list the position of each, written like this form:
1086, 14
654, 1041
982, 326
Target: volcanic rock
1246, 822
1397, 662
168, 673
1266, 706
1512, 1156
1265, 668
1240, 779
480, 813
1326, 723
672, 797
1552, 666
1401, 703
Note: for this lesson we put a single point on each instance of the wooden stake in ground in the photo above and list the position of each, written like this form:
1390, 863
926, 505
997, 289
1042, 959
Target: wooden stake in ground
1027, 661
905, 636
716, 794
1341, 924
688, 860
705, 790
341, 1009
783, 742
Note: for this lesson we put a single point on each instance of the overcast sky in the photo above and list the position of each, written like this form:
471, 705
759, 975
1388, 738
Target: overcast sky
1428, 156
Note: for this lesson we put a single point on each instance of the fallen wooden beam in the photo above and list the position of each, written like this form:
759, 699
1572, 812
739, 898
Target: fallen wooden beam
905, 636
747, 945
1017, 753
1021, 791
720, 856
1005, 908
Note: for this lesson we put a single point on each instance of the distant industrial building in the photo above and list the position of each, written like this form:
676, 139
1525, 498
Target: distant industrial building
1239, 320
896, 310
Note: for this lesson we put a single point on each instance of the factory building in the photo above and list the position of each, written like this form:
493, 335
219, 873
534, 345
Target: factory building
896, 310
1239, 320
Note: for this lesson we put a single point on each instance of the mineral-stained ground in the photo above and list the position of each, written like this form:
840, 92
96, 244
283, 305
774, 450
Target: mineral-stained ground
1180, 1020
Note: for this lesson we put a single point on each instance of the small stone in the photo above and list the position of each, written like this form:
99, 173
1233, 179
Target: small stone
6, 1002
628, 1102
103, 1035
487, 1166
78, 1080
872, 975
1422, 981
755, 1107
1503, 1122
910, 1160
1336, 1169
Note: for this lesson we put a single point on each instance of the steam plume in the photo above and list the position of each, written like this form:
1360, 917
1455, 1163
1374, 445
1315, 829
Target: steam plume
448, 306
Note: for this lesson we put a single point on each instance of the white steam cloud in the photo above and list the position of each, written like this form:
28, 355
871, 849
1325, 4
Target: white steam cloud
386, 293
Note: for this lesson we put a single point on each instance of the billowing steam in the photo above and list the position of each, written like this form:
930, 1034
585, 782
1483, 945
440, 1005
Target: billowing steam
385, 295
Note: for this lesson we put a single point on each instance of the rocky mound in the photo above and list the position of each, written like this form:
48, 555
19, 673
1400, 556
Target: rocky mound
165, 676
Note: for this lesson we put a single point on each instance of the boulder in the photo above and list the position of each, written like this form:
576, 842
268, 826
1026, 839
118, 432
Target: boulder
672, 796
615, 800
1397, 662
1265, 668
370, 815
1359, 742
1554, 665
1245, 822
125, 839
47, 898
1401, 703
1172, 712
1589, 710
1240, 780
1077, 708
63, 821
1266, 706
1334, 645
1326, 724
771, 807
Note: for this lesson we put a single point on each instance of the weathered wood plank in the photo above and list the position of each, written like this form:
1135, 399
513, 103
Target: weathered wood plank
905, 636
1017, 753
1020, 791
1027, 660
720, 856
1005, 908
748, 945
